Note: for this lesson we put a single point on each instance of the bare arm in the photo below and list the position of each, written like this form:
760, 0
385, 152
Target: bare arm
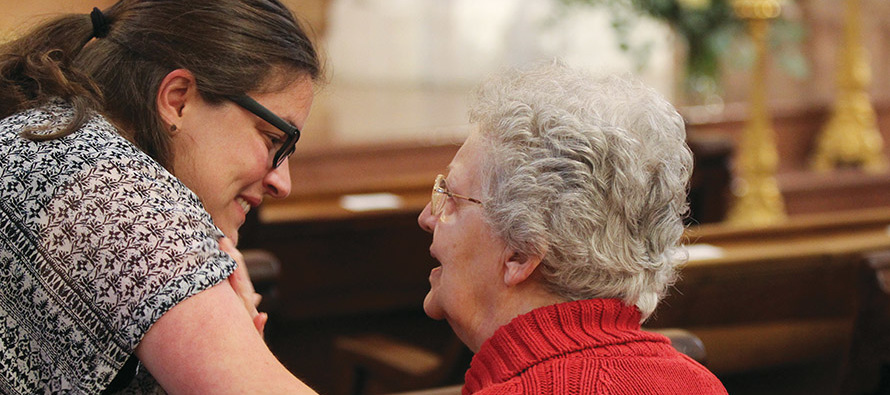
243, 286
208, 344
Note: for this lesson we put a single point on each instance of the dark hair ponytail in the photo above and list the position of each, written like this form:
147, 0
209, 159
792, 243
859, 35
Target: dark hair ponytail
38, 67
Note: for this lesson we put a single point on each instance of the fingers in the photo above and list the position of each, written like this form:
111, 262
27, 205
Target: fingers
240, 282
228, 247
257, 298
259, 321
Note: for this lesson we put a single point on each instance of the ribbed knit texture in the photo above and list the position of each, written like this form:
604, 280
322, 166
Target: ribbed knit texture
590, 346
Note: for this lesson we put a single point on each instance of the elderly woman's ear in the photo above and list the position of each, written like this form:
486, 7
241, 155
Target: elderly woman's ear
519, 267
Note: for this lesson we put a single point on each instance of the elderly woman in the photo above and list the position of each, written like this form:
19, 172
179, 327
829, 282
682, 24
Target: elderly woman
557, 230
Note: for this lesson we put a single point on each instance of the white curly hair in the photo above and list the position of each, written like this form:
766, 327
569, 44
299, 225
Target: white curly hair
589, 173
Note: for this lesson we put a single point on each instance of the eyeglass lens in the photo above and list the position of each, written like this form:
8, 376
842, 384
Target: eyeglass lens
285, 151
437, 201
293, 133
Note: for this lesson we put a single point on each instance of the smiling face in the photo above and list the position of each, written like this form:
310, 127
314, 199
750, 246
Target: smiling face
465, 289
223, 152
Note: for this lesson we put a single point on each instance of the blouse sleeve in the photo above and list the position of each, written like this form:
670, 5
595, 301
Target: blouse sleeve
129, 243
97, 241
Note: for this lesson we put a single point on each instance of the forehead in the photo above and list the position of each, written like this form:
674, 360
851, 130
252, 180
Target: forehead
291, 103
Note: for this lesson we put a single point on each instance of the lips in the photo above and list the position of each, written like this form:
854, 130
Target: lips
435, 273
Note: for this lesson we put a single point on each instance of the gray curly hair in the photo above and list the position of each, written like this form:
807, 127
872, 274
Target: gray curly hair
589, 173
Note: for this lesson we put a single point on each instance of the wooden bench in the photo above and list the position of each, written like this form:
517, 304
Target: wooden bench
786, 297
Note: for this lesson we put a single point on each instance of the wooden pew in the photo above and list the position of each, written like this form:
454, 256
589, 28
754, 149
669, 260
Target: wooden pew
781, 302
867, 366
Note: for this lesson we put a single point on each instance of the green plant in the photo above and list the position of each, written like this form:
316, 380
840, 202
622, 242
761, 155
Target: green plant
709, 29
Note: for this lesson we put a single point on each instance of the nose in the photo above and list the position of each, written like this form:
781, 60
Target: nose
426, 220
277, 181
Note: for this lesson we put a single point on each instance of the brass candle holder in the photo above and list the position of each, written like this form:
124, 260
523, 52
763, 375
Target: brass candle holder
851, 136
758, 200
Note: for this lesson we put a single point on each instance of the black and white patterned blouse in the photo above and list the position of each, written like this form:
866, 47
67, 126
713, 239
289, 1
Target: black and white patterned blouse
97, 241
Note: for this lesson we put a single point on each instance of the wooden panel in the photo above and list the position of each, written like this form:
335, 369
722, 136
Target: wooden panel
730, 294
784, 295
796, 128
349, 266
840, 190
321, 178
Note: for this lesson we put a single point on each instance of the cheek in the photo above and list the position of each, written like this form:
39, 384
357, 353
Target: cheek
460, 273
242, 160
234, 144
254, 157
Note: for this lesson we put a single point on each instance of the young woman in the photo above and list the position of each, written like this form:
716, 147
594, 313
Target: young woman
134, 140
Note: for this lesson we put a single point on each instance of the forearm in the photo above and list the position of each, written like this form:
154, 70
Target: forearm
208, 344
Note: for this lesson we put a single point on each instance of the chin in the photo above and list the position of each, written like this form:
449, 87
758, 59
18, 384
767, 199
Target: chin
229, 226
231, 235
432, 309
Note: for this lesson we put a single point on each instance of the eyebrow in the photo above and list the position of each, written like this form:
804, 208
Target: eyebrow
263, 112
290, 121
287, 119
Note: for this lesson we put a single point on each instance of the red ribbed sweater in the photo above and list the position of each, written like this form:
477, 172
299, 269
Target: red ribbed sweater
590, 346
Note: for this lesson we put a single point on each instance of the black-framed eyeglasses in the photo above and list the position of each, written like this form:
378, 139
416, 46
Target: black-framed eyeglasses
292, 132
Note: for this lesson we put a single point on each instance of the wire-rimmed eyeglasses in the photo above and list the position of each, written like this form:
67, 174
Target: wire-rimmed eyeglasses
440, 192
292, 132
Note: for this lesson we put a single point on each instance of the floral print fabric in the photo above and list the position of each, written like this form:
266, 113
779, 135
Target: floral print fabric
97, 241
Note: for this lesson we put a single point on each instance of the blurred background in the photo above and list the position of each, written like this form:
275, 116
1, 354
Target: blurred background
783, 293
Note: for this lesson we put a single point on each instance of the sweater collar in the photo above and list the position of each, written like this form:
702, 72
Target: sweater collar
570, 327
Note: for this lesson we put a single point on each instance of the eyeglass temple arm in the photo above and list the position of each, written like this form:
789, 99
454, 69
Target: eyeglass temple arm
264, 113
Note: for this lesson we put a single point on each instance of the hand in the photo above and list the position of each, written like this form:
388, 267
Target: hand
240, 282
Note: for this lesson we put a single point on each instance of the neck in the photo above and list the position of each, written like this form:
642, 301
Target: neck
510, 303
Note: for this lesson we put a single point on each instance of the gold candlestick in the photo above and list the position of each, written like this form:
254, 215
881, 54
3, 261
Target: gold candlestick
758, 199
851, 136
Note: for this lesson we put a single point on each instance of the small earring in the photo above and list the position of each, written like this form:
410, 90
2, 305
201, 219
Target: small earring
172, 128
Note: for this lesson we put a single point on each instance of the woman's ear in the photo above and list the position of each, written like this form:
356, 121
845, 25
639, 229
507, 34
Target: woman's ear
519, 268
176, 89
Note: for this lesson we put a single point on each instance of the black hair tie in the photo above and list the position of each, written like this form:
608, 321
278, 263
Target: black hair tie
100, 23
